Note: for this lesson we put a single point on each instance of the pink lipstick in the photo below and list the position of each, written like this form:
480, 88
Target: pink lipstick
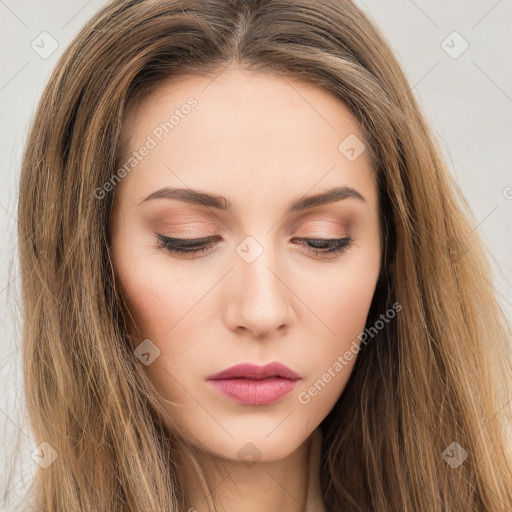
251, 384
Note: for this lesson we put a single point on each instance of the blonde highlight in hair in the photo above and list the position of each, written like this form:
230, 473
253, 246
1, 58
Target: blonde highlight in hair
440, 373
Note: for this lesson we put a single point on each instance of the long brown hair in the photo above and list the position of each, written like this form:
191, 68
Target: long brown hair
437, 375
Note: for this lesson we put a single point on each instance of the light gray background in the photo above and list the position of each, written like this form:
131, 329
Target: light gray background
467, 99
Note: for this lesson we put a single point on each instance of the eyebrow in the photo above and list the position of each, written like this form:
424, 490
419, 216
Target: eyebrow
222, 203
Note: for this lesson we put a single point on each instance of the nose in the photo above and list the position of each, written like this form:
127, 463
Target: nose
258, 296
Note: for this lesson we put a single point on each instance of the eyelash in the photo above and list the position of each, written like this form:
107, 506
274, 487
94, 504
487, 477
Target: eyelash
189, 246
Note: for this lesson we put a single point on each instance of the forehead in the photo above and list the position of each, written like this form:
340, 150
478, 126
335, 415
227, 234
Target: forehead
261, 134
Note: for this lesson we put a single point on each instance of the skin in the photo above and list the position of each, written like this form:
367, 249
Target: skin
262, 141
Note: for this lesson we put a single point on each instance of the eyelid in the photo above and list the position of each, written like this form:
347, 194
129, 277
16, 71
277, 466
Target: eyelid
190, 241
323, 226
192, 246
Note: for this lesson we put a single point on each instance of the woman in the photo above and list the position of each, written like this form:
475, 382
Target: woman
248, 281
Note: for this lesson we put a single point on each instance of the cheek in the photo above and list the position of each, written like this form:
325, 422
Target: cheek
341, 295
158, 298
341, 301
157, 294
164, 305
347, 303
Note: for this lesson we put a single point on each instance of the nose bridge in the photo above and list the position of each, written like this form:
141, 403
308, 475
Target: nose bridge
260, 298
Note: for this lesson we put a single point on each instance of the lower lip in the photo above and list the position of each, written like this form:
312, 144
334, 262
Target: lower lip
255, 392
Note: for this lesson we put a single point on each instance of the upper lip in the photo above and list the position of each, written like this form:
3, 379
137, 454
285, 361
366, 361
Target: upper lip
256, 372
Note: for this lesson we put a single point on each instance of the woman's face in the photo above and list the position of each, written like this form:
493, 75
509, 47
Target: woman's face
265, 152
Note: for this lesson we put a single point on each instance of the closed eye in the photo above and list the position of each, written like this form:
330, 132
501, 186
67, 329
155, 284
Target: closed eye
191, 246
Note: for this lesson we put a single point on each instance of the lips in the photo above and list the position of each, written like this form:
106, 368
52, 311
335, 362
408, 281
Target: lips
251, 384
255, 372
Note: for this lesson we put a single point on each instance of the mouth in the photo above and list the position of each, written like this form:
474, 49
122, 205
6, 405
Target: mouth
250, 384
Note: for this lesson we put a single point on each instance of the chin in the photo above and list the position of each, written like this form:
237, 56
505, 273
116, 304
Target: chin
258, 442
